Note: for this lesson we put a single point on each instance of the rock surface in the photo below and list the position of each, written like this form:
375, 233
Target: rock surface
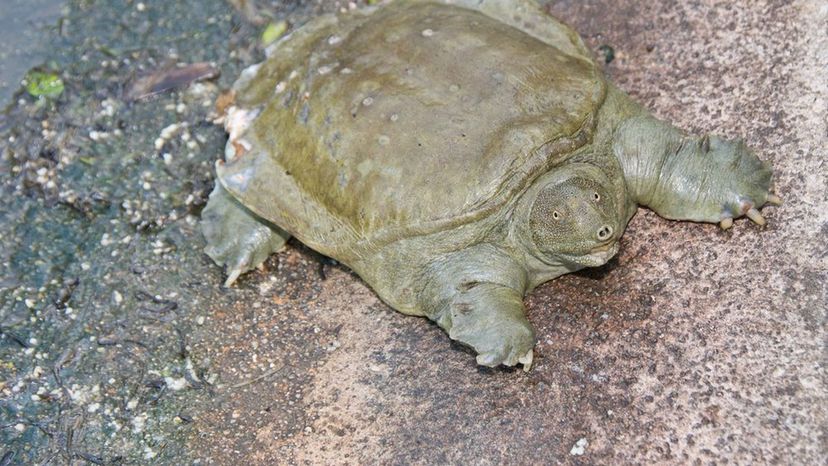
694, 345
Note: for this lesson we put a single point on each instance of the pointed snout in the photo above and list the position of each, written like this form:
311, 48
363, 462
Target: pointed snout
604, 233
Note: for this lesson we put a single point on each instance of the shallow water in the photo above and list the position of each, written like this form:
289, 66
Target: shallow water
23, 33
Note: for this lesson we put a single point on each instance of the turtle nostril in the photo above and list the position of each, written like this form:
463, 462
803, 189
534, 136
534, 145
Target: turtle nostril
604, 233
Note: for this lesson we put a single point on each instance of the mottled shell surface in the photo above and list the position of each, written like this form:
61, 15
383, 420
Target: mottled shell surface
407, 119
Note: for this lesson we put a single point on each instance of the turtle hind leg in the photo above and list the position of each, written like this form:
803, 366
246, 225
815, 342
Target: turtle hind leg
237, 238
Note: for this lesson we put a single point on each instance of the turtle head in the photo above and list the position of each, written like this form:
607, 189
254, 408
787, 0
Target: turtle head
573, 217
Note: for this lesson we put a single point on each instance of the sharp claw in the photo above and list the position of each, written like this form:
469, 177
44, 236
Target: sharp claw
774, 199
705, 143
754, 215
726, 223
526, 360
231, 277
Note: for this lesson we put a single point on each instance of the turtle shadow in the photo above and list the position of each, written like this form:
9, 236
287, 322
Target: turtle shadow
600, 272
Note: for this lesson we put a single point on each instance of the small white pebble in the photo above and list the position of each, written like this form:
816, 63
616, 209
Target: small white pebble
427, 33
140, 6
168, 131
324, 69
367, 101
176, 384
117, 297
580, 447
20, 427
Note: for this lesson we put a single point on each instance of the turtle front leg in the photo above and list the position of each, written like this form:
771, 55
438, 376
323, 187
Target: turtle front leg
476, 296
680, 177
237, 238
490, 319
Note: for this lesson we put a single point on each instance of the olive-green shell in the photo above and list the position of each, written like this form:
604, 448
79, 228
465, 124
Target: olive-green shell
408, 118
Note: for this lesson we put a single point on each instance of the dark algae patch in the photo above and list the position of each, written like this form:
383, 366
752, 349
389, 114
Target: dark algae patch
608, 53
102, 280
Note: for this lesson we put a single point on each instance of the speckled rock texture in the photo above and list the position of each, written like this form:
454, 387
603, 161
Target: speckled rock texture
118, 344
693, 346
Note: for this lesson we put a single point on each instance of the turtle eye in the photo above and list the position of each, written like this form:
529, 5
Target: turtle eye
596, 197
556, 215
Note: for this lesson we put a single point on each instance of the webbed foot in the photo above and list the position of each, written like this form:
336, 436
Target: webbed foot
504, 344
236, 238
710, 179
738, 183
750, 211
490, 319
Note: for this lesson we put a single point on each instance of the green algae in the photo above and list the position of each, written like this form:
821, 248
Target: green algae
273, 31
44, 85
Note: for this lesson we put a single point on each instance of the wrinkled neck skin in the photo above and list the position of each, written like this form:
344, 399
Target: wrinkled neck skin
595, 161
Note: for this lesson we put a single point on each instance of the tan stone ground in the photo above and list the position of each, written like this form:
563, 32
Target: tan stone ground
694, 346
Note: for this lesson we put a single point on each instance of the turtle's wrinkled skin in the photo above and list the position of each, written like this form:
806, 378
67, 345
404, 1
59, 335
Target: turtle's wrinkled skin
456, 155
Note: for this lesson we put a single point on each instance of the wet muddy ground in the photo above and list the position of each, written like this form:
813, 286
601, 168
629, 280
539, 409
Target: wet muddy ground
119, 345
